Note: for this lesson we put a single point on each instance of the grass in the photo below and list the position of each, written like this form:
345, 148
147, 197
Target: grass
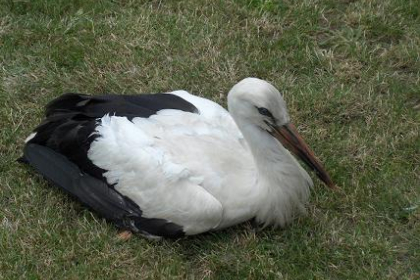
350, 74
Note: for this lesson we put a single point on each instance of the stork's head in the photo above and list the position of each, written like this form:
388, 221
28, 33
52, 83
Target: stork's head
259, 103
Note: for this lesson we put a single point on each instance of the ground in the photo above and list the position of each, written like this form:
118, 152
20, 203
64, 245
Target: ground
349, 71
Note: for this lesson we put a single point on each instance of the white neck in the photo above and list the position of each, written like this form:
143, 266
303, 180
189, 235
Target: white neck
283, 185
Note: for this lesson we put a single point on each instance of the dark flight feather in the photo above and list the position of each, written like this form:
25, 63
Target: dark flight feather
59, 152
95, 193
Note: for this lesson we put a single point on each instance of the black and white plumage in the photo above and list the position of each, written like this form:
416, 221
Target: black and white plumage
172, 164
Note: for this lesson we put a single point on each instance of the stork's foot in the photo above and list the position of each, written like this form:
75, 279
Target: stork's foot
124, 235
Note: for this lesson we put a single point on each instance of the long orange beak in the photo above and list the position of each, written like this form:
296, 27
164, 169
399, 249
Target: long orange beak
290, 138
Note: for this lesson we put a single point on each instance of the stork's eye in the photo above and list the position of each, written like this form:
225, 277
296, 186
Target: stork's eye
265, 112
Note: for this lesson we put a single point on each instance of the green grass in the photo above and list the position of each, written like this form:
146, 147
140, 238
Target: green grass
350, 74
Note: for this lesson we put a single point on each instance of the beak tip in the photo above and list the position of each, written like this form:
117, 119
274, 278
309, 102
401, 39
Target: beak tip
328, 182
333, 187
291, 140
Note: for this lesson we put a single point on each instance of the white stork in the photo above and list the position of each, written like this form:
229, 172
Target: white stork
174, 164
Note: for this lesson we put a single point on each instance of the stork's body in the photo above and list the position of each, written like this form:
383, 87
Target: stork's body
176, 164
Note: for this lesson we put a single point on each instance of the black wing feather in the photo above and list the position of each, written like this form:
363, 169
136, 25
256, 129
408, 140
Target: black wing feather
129, 106
59, 152
95, 193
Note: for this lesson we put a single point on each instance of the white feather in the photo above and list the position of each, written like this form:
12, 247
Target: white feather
30, 137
